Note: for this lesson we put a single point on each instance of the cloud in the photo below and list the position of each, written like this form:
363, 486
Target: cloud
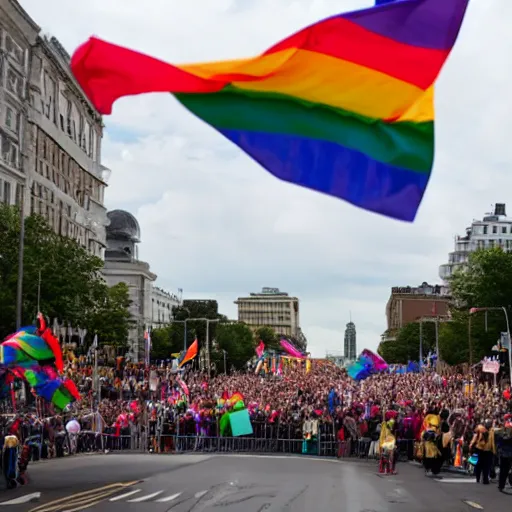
217, 225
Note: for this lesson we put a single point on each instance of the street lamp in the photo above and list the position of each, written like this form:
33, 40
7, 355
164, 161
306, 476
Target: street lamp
501, 308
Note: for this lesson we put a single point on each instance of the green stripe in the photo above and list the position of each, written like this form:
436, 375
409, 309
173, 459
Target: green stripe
403, 144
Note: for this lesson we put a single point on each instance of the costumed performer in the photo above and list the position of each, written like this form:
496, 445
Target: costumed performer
387, 444
431, 440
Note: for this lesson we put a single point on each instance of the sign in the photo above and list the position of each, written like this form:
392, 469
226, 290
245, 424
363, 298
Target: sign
489, 366
401, 289
504, 341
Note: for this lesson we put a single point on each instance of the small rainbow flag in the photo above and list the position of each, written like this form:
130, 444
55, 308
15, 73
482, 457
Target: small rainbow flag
344, 106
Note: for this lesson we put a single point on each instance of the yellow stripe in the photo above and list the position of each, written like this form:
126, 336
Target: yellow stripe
323, 79
91, 494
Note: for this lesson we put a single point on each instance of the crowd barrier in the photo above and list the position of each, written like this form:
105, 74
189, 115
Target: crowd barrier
183, 438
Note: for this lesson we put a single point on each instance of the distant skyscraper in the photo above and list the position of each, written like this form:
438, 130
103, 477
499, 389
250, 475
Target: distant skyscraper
350, 341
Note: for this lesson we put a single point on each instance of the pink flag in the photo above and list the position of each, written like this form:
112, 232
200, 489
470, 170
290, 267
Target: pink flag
260, 349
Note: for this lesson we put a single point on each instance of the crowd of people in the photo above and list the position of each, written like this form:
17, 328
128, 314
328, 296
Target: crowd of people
315, 404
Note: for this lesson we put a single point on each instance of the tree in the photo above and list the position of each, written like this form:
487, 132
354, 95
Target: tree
110, 316
268, 336
237, 340
169, 340
406, 345
65, 277
485, 282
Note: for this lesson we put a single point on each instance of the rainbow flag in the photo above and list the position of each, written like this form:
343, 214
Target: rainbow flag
190, 354
344, 106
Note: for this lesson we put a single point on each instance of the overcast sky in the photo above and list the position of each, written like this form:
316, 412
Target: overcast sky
217, 225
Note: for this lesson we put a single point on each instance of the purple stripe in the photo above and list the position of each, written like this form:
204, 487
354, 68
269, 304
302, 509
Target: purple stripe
431, 24
337, 171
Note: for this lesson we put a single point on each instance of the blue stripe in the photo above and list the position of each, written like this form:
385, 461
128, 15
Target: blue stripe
337, 171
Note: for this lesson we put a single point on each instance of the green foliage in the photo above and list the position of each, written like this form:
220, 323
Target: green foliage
237, 340
71, 286
169, 340
406, 346
486, 282
199, 309
110, 317
268, 336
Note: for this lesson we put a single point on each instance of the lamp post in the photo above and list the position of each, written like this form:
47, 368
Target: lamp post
504, 310
436, 323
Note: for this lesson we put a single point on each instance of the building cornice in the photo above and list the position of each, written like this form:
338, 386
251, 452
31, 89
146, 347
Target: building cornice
53, 49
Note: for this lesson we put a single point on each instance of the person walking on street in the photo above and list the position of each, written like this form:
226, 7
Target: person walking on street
504, 442
483, 444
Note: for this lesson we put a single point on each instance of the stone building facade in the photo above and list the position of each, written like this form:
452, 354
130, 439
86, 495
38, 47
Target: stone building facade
50, 134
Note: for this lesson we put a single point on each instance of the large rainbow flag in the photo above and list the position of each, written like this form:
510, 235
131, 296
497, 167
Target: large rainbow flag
344, 106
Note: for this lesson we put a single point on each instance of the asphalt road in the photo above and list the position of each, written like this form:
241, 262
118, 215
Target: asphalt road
235, 483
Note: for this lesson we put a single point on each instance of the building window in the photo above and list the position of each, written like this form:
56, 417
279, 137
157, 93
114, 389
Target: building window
14, 83
14, 50
12, 119
9, 152
485, 230
504, 229
7, 192
495, 229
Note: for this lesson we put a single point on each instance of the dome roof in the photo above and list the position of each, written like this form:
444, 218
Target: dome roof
123, 226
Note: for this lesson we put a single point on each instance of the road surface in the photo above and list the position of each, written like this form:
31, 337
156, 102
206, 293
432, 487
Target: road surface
241, 483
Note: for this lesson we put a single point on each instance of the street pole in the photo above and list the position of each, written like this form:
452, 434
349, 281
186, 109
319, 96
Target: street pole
39, 292
21, 251
208, 345
225, 372
185, 334
509, 345
470, 345
437, 341
421, 343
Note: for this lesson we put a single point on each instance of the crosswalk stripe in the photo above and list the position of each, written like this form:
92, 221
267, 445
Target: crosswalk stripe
145, 498
456, 480
200, 494
131, 493
168, 498
22, 499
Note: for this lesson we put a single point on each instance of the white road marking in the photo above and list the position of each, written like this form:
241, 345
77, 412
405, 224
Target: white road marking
145, 498
200, 494
131, 493
455, 480
309, 459
168, 498
474, 505
22, 499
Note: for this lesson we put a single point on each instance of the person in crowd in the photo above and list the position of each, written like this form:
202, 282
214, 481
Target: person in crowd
504, 445
484, 447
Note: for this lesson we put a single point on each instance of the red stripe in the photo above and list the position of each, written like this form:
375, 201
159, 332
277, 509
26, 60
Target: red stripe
106, 72
346, 40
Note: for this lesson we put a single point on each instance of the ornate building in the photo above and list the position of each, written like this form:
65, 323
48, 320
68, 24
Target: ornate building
18, 33
151, 306
50, 134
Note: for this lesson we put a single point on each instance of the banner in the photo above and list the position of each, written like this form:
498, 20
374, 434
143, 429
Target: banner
490, 366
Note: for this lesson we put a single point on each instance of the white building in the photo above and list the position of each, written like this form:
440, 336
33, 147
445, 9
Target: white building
162, 303
494, 230
50, 134
18, 33
272, 308
151, 306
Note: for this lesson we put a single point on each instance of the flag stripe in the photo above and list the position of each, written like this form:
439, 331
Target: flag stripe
314, 77
344, 39
344, 173
408, 145
106, 72
431, 24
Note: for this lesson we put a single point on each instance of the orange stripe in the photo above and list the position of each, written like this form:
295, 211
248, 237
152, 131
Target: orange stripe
346, 40
323, 79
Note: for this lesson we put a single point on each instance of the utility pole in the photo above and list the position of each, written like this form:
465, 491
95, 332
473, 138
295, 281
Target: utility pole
21, 252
